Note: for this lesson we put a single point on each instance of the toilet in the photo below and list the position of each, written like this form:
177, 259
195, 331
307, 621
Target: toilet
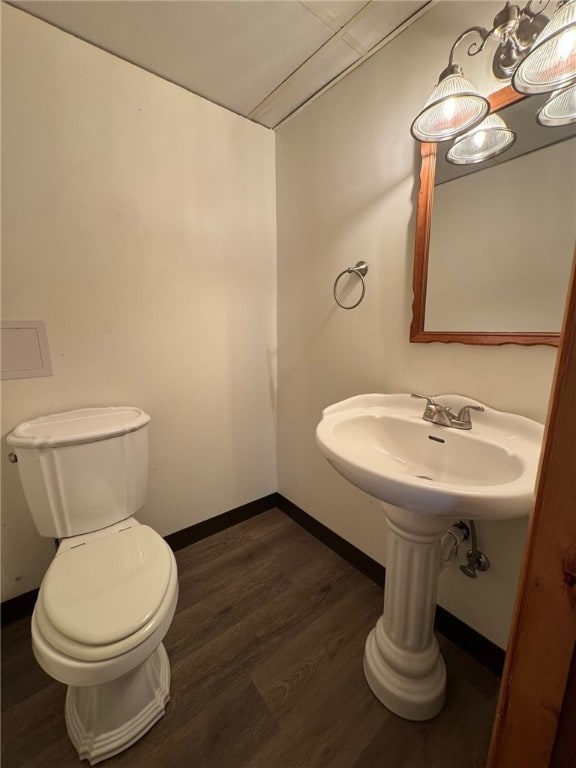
109, 596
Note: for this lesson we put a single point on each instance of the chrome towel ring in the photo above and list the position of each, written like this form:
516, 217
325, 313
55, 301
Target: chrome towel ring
360, 269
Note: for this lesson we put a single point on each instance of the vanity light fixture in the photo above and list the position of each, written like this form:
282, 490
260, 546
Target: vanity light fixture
539, 54
453, 108
487, 140
560, 109
551, 63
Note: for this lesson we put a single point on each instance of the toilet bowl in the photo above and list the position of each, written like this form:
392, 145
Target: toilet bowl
108, 597
104, 607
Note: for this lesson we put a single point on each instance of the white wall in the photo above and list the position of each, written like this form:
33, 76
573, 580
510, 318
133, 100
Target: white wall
347, 172
139, 223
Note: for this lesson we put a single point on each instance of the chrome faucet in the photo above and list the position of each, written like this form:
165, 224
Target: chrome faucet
442, 414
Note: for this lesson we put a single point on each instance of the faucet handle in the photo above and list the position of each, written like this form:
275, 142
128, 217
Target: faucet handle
463, 417
429, 400
431, 406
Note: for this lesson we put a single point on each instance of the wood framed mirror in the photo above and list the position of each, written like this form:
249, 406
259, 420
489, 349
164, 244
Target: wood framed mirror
454, 311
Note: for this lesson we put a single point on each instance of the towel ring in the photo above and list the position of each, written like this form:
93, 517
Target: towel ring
359, 269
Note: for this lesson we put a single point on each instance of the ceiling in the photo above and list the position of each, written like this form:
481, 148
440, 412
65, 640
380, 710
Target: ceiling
263, 59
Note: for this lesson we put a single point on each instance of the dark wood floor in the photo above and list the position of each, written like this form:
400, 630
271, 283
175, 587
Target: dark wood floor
266, 653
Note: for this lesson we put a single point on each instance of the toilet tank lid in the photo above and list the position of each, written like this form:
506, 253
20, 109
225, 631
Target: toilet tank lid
85, 425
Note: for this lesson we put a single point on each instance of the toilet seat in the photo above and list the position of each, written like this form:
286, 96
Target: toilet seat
105, 597
75, 672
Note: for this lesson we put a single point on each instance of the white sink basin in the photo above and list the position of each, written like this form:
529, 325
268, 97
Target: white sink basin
381, 444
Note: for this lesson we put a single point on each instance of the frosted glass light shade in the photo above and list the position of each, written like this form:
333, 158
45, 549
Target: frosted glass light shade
454, 106
487, 140
551, 64
560, 109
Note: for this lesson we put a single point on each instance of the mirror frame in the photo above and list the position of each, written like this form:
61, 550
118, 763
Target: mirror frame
498, 100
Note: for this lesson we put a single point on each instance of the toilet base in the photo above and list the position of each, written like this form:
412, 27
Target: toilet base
103, 720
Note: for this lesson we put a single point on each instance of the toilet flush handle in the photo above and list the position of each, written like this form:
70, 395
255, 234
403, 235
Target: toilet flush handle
12, 458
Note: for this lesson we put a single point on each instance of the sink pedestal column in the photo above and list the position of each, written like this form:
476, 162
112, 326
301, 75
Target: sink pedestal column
402, 661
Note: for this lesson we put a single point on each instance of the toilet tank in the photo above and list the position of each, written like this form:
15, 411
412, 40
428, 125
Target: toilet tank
83, 470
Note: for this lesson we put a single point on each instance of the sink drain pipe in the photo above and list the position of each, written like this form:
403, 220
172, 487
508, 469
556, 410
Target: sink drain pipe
454, 536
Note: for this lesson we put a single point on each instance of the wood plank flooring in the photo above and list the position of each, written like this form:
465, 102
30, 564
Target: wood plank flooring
266, 655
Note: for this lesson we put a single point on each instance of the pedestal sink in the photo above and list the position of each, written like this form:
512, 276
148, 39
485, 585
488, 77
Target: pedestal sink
426, 475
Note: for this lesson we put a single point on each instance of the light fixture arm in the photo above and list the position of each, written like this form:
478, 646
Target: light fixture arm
473, 48
527, 10
505, 25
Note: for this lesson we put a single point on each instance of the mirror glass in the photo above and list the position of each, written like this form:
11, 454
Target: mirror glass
500, 235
